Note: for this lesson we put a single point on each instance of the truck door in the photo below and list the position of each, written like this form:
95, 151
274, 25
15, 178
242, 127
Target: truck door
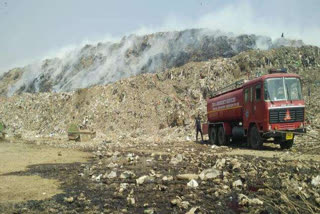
247, 96
258, 106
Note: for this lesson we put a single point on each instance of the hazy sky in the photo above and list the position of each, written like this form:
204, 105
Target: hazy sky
33, 29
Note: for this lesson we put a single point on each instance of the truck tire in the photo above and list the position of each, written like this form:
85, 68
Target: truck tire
286, 144
222, 138
254, 138
213, 138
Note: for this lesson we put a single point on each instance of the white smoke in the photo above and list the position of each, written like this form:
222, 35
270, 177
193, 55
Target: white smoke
108, 62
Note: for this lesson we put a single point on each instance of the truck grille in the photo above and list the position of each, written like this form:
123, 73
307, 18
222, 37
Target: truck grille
279, 115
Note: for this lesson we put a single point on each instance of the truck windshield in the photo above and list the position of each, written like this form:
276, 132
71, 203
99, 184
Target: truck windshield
276, 89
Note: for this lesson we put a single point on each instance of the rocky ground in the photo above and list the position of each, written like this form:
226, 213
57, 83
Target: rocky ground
180, 177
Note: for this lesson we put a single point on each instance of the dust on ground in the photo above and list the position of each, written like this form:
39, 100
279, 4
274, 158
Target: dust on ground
15, 157
177, 177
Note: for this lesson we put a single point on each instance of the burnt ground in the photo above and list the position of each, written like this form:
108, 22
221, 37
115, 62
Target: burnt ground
272, 181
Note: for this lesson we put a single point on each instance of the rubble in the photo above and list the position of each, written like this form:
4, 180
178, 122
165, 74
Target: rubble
127, 174
187, 177
316, 181
244, 200
209, 174
193, 184
237, 183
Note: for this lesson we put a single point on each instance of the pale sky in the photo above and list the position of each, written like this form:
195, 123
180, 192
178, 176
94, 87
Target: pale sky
33, 29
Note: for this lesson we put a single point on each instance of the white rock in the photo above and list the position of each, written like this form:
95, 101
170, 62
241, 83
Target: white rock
123, 186
192, 210
167, 178
316, 181
193, 184
237, 183
209, 174
112, 174
131, 200
142, 179
98, 177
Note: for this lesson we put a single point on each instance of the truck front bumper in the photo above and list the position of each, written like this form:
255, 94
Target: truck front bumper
281, 133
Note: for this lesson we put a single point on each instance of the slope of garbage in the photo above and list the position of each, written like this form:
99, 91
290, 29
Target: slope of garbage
107, 62
159, 105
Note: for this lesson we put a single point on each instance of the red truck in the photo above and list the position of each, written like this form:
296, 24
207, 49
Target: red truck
265, 108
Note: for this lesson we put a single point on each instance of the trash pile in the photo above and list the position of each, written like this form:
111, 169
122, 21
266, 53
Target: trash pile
160, 106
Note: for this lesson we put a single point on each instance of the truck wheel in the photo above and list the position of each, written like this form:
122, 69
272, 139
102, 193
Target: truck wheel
286, 144
222, 138
213, 138
255, 140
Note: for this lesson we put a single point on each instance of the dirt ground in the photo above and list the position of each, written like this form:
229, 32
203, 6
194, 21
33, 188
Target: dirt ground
17, 157
156, 177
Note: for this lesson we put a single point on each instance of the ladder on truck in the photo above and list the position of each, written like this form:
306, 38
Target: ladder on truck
230, 87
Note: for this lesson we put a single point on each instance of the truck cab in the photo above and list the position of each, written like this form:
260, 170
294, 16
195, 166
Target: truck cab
273, 107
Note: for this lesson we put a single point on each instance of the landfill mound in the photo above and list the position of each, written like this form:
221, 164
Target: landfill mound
161, 105
108, 62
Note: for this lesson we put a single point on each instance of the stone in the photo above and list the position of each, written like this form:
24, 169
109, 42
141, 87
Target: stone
316, 181
318, 201
193, 184
149, 211
167, 178
123, 186
127, 174
174, 202
237, 183
184, 204
187, 176
69, 199
131, 200
209, 174
142, 179
193, 210
245, 200
112, 174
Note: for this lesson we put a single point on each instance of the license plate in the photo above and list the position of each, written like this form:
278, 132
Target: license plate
289, 136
